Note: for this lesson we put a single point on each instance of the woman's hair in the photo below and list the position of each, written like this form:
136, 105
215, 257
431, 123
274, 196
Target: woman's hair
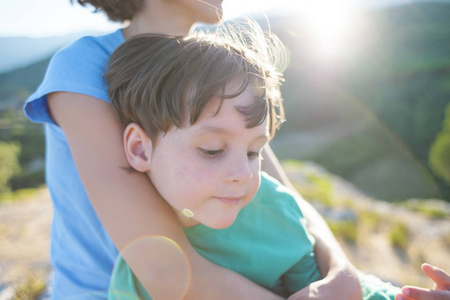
159, 81
116, 10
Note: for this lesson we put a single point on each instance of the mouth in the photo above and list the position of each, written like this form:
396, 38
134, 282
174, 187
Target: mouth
232, 200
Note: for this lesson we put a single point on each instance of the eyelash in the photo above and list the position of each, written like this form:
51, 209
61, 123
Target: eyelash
216, 153
211, 153
253, 155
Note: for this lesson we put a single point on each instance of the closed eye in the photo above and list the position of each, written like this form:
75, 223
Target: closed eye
211, 153
253, 155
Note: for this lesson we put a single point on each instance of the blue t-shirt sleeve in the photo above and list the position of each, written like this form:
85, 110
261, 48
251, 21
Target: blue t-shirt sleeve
77, 68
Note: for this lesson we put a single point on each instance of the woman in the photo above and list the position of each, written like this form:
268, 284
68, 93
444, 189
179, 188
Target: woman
100, 208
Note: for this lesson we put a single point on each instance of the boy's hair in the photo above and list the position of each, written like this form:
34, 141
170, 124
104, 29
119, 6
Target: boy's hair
158, 81
116, 10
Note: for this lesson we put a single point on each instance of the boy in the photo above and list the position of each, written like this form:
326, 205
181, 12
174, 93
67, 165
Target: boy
199, 110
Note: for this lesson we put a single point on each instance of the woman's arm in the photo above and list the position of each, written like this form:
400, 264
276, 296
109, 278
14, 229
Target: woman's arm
130, 208
340, 280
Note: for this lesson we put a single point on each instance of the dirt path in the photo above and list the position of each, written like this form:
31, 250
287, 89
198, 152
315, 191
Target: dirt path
24, 237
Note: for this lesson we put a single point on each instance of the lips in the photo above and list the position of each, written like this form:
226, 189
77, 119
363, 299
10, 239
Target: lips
232, 200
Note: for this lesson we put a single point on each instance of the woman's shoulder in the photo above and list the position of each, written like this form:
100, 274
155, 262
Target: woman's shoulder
80, 66
77, 68
88, 50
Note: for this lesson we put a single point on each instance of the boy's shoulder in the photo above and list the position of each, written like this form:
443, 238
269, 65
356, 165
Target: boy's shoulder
272, 192
270, 185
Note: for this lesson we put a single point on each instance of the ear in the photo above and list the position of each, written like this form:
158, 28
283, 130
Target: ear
138, 147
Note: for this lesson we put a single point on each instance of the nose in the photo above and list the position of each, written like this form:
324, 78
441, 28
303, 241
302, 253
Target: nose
239, 169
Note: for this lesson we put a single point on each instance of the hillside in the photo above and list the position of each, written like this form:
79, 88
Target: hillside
374, 112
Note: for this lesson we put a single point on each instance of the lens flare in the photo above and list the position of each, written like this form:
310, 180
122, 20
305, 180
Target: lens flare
165, 270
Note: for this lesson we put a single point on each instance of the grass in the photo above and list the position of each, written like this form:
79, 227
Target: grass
317, 187
371, 220
346, 230
31, 288
399, 236
435, 209
18, 195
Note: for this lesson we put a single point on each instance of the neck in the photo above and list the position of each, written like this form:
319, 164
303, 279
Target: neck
162, 17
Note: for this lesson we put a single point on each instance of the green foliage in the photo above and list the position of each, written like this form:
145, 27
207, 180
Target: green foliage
432, 208
370, 219
316, 185
31, 288
321, 189
29, 136
344, 230
17, 195
399, 236
9, 164
439, 158
432, 212
28, 180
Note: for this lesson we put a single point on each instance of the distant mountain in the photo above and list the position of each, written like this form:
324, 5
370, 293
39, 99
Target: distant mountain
17, 52
18, 84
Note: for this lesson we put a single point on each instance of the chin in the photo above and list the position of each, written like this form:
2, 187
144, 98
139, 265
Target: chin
212, 17
221, 223
211, 21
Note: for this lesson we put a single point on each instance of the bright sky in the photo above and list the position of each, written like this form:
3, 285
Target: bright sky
39, 18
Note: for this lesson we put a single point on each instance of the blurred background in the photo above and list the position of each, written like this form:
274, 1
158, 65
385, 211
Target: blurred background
367, 100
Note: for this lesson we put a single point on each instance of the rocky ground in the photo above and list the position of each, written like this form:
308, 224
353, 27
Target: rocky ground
24, 240
25, 227
390, 240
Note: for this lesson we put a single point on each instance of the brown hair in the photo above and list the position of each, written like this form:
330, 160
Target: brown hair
153, 79
116, 10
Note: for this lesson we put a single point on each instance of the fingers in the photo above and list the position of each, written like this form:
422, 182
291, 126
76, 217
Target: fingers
439, 276
410, 293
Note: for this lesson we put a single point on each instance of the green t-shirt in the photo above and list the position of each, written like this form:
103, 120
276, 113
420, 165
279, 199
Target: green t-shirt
268, 244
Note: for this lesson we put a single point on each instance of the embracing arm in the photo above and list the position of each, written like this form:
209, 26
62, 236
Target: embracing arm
130, 209
340, 280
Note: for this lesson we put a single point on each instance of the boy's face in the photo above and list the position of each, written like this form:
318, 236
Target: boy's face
211, 167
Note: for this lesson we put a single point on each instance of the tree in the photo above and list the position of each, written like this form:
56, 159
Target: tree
439, 157
9, 164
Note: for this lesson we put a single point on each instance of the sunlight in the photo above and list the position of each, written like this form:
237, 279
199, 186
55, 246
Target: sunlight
331, 24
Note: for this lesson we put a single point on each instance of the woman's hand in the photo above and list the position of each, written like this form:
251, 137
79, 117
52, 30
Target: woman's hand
441, 290
341, 284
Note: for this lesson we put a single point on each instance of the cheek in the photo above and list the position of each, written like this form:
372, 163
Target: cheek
193, 173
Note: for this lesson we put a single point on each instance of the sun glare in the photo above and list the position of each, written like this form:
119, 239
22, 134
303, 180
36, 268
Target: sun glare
330, 25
